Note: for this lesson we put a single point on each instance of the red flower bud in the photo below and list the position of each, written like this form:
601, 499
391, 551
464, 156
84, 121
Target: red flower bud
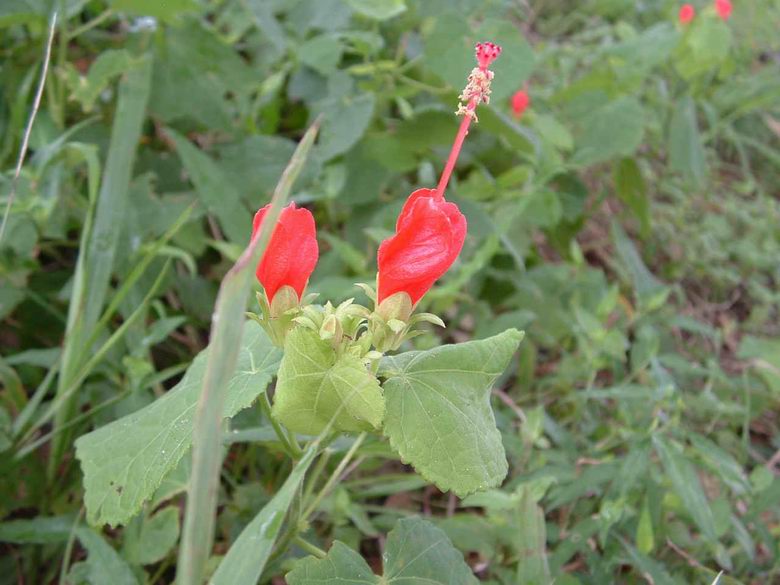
428, 237
724, 8
687, 13
520, 102
292, 251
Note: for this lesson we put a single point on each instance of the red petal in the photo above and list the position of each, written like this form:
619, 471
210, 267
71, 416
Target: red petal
429, 237
292, 252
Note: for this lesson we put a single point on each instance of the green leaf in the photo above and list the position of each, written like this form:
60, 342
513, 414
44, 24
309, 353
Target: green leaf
686, 152
167, 10
705, 47
439, 417
6, 432
104, 565
649, 290
125, 461
553, 131
29, 11
378, 9
41, 530
541, 208
247, 557
764, 355
315, 386
630, 187
645, 537
686, 483
649, 566
417, 552
344, 122
531, 542
322, 53
87, 89
615, 129
214, 189
100, 239
156, 538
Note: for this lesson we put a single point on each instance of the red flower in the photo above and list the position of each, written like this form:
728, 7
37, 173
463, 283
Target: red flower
430, 230
520, 102
292, 251
687, 13
724, 8
428, 237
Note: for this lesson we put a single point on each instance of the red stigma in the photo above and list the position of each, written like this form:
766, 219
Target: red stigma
486, 54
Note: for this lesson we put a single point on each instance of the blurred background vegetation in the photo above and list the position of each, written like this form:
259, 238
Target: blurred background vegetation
629, 221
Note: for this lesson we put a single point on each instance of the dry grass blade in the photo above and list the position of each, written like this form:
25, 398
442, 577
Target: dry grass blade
28, 130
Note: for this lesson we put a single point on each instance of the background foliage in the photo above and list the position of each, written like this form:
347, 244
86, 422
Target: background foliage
629, 222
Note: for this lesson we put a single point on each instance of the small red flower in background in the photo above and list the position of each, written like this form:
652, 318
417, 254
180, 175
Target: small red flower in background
430, 230
429, 235
520, 102
724, 8
687, 13
292, 251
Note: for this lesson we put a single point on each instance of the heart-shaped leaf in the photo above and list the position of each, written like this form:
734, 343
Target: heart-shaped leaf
417, 552
439, 417
315, 385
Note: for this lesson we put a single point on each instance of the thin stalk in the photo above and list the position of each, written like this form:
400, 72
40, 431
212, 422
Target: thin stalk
98, 20
291, 448
310, 548
69, 549
40, 392
334, 476
455, 152
315, 475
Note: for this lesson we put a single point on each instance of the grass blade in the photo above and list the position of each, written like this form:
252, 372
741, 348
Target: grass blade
95, 263
246, 559
227, 324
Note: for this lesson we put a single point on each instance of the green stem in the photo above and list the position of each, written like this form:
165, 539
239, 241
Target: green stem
69, 548
334, 476
315, 474
99, 19
310, 548
289, 444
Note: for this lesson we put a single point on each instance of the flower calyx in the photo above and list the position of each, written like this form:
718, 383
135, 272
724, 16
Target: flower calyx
278, 315
340, 325
392, 322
